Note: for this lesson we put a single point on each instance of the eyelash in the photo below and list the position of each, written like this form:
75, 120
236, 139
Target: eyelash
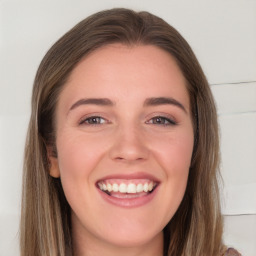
93, 120
161, 120
157, 120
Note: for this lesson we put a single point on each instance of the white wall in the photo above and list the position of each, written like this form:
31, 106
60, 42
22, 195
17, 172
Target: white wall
222, 34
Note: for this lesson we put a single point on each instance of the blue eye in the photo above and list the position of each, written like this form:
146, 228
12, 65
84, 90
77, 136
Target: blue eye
160, 120
93, 120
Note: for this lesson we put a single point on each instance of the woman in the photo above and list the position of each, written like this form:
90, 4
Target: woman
122, 150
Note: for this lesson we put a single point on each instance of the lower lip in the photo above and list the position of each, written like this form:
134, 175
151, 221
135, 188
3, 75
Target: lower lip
129, 202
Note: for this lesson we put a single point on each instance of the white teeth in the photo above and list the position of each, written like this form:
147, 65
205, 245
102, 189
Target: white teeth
139, 188
104, 187
100, 185
109, 187
145, 187
115, 187
131, 188
123, 188
150, 186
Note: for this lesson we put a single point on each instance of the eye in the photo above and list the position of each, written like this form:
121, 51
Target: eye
161, 120
93, 120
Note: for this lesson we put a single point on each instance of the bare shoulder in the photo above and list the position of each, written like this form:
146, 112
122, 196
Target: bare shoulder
232, 252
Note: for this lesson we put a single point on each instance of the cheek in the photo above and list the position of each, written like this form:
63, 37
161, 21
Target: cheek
174, 157
177, 160
174, 152
77, 159
77, 153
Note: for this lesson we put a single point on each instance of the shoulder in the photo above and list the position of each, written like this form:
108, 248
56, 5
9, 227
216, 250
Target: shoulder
232, 252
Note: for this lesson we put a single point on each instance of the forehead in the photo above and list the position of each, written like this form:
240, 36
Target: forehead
115, 70
122, 55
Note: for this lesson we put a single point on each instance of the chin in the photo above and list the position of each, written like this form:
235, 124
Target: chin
139, 239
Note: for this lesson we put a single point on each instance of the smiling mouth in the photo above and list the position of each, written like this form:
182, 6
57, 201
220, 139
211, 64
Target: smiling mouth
125, 189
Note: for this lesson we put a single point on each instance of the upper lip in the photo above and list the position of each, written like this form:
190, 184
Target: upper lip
131, 176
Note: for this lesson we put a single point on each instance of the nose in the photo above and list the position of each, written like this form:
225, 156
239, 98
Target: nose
129, 145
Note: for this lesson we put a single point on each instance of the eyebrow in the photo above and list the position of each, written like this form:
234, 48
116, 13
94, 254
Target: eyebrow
148, 102
164, 101
93, 101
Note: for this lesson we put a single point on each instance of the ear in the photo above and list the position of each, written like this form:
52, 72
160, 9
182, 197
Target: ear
54, 170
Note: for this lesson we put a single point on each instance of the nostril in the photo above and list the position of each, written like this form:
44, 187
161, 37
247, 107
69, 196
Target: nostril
129, 159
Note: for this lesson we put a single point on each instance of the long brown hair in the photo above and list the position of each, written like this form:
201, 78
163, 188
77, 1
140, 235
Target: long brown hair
196, 228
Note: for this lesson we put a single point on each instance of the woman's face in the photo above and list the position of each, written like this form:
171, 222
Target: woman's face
124, 143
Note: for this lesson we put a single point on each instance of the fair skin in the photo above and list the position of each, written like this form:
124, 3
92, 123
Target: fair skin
123, 117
